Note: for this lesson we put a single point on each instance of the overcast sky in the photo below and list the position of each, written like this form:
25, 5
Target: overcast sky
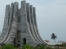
51, 17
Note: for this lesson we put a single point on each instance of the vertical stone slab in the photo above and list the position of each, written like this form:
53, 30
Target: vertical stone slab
9, 24
6, 19
19, 19
15, 15
29, 22
11, 13
6, 23
25, 32
23, 17
34, 20
13, 30
23, 23
35, 26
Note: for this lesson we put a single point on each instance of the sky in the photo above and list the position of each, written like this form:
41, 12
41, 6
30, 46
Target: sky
50, 15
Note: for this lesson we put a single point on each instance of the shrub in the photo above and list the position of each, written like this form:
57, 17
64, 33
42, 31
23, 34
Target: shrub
41, 47
26, 46
49, 48
8, 46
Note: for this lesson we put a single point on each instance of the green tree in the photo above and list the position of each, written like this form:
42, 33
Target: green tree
8, 46
53, 36
26, 46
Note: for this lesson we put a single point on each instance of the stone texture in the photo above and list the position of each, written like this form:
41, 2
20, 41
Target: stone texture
20, 22
35, 26
6, 22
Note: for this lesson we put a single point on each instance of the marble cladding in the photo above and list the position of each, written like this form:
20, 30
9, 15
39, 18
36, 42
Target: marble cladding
22, 20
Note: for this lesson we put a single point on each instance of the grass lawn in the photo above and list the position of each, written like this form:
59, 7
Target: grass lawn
63, 48
26, 46
59, 48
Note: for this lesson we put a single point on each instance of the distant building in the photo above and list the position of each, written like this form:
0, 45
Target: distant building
46, 41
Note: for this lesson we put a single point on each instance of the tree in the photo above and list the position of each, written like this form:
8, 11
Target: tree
53, 36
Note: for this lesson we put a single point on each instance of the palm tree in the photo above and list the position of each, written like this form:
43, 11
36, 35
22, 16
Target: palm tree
53, 36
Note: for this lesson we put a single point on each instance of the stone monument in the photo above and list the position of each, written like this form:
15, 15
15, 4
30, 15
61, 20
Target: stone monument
20, 26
